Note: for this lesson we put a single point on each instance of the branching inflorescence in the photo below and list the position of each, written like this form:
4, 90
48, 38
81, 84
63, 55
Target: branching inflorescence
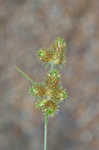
49, 93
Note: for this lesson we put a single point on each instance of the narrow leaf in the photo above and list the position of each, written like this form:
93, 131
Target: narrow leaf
24, 74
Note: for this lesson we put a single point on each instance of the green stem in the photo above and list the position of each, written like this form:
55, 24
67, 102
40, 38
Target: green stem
45, 131
52, 67
24, 74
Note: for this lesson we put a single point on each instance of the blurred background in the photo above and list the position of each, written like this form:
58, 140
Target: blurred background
25, 27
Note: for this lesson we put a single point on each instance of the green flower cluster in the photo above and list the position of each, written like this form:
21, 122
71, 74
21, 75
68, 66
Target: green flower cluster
55, 54
49, 94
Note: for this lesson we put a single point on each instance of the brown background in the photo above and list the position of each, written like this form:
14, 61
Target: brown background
26, 26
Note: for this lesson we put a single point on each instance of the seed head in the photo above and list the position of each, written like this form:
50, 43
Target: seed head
47, 106
49, 94
55, 54
38, 90
53, 79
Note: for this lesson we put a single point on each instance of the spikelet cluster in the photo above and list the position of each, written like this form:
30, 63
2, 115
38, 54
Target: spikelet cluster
50, 93
55, 54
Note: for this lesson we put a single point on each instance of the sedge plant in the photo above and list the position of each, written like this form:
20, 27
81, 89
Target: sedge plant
49, 94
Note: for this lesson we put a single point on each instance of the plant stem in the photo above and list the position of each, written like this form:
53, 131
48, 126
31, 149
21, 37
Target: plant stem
46, 120
52, 67
45, 131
